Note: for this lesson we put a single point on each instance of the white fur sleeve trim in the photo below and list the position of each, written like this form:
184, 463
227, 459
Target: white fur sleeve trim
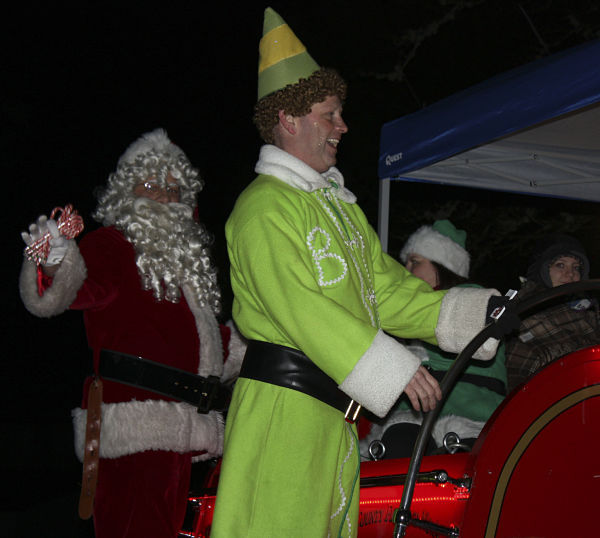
462, 316
381, 374
136, 426
211, 345
69, 278
237, 350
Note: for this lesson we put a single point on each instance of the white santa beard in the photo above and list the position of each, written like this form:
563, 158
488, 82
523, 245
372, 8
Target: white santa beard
171, 250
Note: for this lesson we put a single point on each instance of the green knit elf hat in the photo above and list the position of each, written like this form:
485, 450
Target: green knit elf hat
283, 58
445, 227
442, 243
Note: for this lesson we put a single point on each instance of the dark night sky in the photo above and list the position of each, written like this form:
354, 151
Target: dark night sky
81, 83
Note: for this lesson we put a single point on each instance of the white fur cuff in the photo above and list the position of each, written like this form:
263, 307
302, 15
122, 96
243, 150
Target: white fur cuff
136, 426
69, 278
462, 316
381, 374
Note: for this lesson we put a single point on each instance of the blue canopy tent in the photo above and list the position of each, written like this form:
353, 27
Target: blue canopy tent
532, 130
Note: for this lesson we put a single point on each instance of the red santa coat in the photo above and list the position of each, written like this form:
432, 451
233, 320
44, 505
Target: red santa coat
101, 279
120, 316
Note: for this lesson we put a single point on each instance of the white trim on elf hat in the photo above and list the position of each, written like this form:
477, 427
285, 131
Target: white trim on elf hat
441, 243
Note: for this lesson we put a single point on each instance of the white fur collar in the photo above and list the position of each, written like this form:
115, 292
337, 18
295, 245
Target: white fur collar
273, 161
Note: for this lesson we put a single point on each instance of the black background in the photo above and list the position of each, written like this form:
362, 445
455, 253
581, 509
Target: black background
82, 82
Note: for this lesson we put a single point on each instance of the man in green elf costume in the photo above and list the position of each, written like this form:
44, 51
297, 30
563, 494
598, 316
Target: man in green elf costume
315, 295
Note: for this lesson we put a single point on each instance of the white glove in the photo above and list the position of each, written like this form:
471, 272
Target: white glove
58, 243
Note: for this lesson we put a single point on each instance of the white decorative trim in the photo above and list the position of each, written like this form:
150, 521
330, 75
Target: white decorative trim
136, 426
469, 305
381, 374
355, 246
319, 254
343, 496
67, 281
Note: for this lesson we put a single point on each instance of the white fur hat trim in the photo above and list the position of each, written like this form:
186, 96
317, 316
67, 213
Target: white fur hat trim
156, 140
438, 248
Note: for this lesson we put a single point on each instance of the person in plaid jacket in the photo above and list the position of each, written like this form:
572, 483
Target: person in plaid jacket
563, 328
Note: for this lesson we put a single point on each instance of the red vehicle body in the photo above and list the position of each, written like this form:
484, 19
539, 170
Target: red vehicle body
533, 471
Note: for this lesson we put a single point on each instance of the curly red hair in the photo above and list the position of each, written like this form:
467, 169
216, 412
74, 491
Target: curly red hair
297, 99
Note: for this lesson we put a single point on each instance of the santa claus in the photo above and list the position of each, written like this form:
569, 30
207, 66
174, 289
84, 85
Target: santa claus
148, 291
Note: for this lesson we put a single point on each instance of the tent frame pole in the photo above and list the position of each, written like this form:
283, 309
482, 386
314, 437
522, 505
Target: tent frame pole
383, 218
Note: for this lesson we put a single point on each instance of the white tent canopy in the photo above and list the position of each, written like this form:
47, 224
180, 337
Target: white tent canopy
533, 130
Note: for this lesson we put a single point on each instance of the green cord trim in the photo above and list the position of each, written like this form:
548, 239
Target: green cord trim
356, 475
335, 209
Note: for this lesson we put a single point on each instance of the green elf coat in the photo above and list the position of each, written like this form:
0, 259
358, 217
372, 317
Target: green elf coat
308, 272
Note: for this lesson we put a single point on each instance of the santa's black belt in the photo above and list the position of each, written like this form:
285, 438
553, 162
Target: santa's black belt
205, 393
489, 383
292, 369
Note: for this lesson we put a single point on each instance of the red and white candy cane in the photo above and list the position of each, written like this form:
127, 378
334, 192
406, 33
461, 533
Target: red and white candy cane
69, 224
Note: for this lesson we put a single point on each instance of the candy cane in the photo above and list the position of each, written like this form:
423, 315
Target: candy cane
69, 224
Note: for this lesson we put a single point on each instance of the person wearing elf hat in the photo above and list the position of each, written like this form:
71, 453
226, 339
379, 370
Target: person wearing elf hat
313, 294
437, 255
573, 324
148, 291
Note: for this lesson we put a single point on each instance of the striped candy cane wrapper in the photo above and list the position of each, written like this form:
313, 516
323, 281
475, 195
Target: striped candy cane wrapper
70, 225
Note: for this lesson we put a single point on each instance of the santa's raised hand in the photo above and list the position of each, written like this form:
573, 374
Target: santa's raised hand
45, 244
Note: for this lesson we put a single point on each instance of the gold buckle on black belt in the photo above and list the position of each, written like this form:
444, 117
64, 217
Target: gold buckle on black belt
352, 411
290, 368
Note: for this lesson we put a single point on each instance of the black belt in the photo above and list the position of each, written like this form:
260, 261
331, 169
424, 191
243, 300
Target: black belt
489, 383
205, 393
292, 369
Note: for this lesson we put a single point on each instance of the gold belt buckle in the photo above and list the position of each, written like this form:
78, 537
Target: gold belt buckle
352, 411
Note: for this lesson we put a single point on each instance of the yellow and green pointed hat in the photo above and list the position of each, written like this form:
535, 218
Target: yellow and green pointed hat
283, 58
